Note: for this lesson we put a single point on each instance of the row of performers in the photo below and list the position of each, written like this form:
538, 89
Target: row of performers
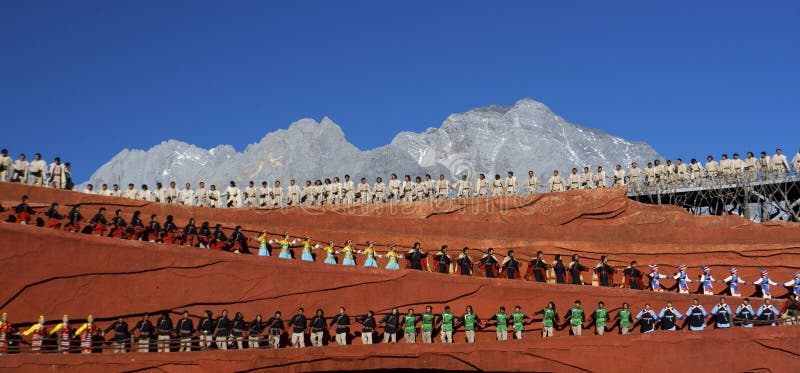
510, 267
537, 270
636, 279
223, 332
135, 229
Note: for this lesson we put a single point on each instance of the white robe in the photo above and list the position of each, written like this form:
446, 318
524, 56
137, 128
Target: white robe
186, 197
250, 198
364, 193
39, 167
779, 164
58, 176
171, 196
600, 179
510, 185
233, 195
159, 195
131, 193
481, 187
395, 189
574, 181
5, 163
146, 195
442, 189
201, 194
293, 195
379, 192
463, 187
556, 183
796, 163
619, 177
20, 171
533, 184
214, 198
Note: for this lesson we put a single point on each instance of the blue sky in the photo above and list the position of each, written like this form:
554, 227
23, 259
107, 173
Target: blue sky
85, 79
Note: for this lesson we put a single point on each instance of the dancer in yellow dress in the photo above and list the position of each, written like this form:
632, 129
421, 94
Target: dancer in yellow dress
262, 244
349, 254
307, 247
285, 245
369, 252
330, 253
392, 256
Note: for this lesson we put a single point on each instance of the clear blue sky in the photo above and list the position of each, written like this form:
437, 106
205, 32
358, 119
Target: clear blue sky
84, 79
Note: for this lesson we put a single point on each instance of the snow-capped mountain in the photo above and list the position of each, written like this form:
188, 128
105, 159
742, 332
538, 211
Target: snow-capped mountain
488, 140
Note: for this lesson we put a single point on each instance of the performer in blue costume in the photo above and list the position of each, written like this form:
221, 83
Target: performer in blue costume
330, 251
733, 282
682, 279
349, 254
307, 247
369, 252
393, 257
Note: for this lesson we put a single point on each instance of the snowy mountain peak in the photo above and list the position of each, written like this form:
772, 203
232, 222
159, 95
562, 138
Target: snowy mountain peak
304, 125
529, 103
492, 139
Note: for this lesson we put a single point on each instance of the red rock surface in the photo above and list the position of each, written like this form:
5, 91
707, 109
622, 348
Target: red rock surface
53, 272
590, 223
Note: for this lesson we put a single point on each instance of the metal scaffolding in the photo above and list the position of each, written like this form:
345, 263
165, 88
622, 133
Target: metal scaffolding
759, 200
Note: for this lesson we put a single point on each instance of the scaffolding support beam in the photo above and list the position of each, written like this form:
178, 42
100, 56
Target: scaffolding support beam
772, 199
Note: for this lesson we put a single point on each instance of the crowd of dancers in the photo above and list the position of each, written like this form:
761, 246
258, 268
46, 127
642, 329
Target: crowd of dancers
488, 264
333, 191
223, 332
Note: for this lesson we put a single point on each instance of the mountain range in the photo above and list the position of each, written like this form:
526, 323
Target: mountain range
489, 140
